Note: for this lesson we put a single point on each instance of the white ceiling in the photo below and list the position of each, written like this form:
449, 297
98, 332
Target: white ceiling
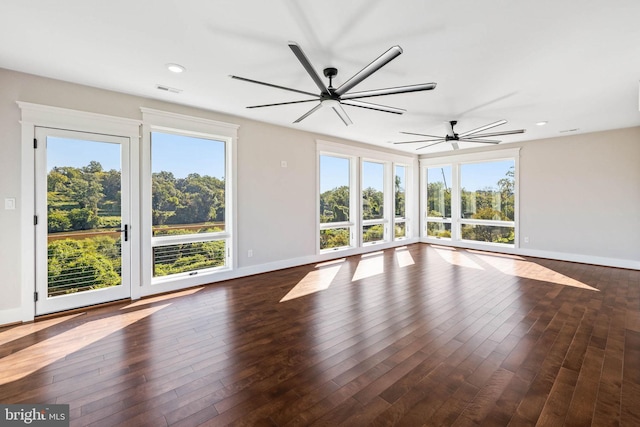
575, 64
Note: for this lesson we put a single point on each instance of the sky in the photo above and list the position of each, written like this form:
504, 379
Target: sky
183, 155
334, 172
180, 155
475, 176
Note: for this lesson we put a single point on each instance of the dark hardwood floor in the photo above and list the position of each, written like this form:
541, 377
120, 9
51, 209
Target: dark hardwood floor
422, 335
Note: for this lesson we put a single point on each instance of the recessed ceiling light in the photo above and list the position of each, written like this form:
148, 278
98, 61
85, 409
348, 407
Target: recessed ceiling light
541, 123
175, 68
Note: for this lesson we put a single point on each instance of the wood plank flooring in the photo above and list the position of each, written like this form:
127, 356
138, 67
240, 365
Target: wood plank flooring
426, 335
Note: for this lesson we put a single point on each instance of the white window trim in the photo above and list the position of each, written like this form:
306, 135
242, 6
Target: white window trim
455, 161
167, 122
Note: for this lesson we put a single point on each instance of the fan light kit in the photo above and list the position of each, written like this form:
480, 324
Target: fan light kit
337, 97
468, 136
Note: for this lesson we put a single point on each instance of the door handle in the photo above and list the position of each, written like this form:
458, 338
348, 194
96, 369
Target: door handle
126, 232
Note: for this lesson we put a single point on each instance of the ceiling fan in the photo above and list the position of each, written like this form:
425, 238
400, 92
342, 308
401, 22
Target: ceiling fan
337, 97
468, 136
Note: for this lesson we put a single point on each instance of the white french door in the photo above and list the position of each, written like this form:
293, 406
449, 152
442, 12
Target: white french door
83, 236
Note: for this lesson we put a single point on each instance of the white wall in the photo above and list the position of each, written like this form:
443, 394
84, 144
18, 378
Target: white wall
580, 195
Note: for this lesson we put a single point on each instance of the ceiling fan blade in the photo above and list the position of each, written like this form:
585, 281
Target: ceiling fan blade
281, 103
483, 141
308, 113
297, 51
481, 128
429, 145
378, 63
370, 106
422, 134
506, 132
342, 114
272, 85
439, 140
390, 91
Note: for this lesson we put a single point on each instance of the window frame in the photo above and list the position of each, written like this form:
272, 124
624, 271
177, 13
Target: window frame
357, 156
456, 161
182, 125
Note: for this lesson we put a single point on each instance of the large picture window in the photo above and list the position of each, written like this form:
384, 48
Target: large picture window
188, 189
188, 201
472, 198
487, 201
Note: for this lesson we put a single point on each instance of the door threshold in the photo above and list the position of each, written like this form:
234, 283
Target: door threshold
79, 310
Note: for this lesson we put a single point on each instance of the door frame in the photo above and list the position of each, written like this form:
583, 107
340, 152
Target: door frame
37, 115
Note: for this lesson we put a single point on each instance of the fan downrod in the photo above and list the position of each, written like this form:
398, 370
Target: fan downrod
455, 135
330, 72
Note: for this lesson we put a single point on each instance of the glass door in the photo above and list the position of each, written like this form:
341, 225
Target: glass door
82, 219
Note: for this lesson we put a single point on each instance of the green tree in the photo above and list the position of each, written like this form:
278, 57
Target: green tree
78, 265
399, 197
334, 205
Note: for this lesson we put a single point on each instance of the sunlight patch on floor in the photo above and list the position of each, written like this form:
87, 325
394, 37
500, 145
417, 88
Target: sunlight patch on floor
517, 266
163, 297
403, 257
455, 257
44, 353
370, 265
26, 329
316, 280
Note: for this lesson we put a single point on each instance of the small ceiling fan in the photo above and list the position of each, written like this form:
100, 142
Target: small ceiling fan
468, 136
337, 97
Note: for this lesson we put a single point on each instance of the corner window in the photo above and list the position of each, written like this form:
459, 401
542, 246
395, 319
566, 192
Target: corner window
487, 201
472, 197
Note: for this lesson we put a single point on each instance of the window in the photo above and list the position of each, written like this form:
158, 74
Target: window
400, 205
335, 202
472, 197
439, 202
373, 213
487, 201
187, 198
364, 197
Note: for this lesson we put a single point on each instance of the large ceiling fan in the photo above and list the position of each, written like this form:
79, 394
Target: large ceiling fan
337, 97
468, 136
